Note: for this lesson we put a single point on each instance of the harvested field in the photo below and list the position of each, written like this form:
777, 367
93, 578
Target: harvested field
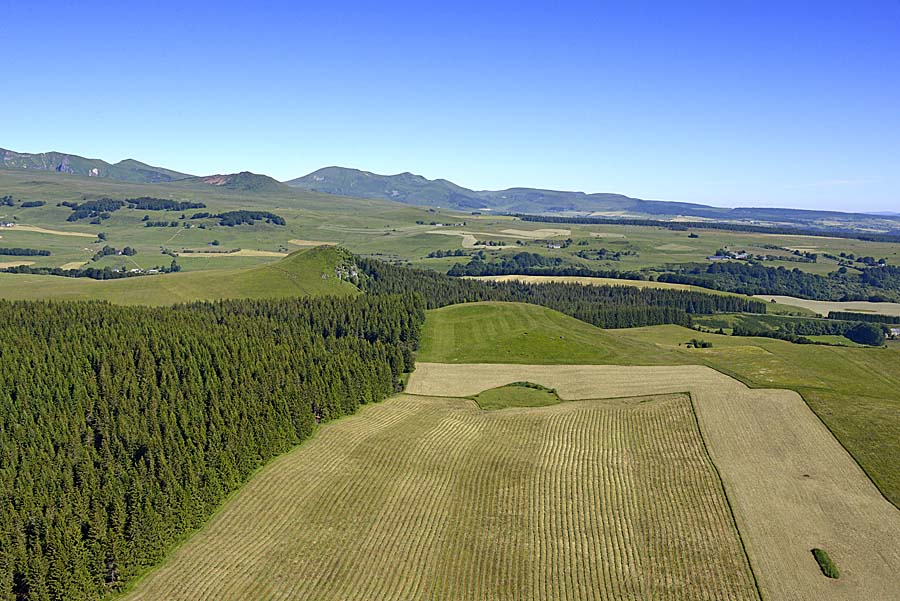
243, 252
539, 233
823, 307
677, 248
5, 264
298, 242
431, 498
469, 240
791, 485
73, 265
41, 230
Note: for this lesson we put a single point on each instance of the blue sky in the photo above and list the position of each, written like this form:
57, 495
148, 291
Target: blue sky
726, 103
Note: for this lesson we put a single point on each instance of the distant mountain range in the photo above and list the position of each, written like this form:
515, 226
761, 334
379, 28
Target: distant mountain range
128, 170
417, 190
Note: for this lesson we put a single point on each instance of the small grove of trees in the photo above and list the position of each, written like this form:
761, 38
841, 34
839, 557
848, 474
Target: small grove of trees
232, 218
109, 250
440, 254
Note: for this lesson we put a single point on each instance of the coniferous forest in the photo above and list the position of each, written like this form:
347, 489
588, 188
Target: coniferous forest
122, 428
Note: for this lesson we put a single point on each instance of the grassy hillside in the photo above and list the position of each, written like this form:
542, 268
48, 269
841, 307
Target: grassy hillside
305, 272
853, 390
496, 332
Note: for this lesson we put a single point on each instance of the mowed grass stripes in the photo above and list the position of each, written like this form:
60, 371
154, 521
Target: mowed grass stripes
432, 498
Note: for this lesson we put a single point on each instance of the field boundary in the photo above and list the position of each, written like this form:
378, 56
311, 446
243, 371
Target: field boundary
737, 528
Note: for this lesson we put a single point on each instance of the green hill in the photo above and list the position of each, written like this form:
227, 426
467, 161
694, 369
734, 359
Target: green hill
306, 272
499, 332
404, 187
242, 182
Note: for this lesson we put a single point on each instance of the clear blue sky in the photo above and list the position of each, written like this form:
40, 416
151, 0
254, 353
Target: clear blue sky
728, 103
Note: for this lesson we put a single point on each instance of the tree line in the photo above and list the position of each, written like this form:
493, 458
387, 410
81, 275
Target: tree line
527, 263
94, 273
232, 218
604, 306
24, 252
123, 428
883, 283
868, 317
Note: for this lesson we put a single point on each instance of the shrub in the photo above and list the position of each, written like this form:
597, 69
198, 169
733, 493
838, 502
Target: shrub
825, 564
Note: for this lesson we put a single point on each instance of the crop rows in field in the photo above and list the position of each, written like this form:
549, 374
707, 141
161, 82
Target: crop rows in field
791, 485
429, 498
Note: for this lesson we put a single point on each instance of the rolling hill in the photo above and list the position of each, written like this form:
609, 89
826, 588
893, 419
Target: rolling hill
305, 272
241, 182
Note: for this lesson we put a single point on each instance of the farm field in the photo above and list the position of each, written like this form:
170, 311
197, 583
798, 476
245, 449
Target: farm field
790, 483
432, 498
308, 272
853, 390
823, 307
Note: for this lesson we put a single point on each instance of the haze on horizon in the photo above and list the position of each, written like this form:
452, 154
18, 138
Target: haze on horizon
792, 105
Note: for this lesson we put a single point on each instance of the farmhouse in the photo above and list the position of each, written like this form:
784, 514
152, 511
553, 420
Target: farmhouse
895, 332
554, 245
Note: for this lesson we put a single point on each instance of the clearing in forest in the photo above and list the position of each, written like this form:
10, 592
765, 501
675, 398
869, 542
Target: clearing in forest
432, 498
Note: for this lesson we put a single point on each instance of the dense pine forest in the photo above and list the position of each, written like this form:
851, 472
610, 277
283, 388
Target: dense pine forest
874, 283
122, 428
